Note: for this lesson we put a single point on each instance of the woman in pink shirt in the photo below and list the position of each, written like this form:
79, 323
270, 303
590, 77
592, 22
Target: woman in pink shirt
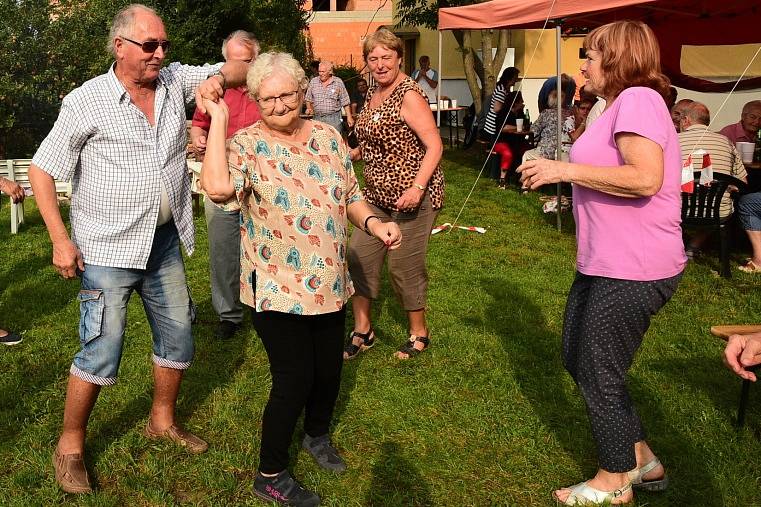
625, 171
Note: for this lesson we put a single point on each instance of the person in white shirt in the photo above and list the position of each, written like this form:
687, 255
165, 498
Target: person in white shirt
427, 78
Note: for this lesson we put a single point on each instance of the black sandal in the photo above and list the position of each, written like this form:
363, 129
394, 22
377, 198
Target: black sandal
408, 347
368, 340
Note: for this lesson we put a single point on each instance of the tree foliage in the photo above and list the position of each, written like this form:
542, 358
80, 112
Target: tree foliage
480, 70
49, 48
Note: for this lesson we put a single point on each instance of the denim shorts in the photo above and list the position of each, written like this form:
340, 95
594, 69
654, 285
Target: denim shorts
103, 302
749, 209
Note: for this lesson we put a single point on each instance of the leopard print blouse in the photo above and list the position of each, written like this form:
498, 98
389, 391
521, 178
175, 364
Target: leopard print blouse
391, 151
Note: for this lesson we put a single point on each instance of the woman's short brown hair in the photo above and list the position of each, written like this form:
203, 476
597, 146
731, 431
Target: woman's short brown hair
630, 56
383, 37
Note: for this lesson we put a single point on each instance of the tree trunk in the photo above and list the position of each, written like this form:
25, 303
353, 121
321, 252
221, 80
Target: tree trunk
482, 73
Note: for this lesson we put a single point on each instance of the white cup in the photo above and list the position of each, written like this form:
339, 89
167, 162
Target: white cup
454, 103
519, 124
746, 151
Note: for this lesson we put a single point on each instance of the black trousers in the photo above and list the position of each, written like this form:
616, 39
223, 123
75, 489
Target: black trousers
605, 322
306, 355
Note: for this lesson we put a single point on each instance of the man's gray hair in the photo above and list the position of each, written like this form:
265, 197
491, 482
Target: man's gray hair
124, 23
246, 38
697, 112
328, 65
267, 64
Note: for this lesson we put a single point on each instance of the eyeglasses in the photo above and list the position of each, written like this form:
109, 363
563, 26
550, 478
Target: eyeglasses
150, 46
288, 99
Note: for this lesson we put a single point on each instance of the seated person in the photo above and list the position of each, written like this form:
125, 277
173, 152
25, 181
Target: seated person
567, 86
546, 131
16, 192
505, 147
580, 113
724, 158
749, 211
742, 352
746, 129
677, 110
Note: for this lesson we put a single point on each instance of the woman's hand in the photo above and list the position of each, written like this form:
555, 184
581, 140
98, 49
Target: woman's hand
535, 173
217, 109
355, 154
388, 232
410, 199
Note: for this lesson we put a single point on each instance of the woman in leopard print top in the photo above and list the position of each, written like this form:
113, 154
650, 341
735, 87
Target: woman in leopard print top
401, 147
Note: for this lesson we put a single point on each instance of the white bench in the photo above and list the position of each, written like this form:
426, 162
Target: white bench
17, 170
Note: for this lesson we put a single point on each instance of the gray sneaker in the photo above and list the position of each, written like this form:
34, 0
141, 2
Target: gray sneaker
324, 453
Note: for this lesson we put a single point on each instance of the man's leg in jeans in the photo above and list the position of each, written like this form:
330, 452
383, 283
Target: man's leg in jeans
167, 304
224, 261
103, 303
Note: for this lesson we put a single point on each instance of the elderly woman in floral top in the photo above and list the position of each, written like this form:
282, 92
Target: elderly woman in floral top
294, 183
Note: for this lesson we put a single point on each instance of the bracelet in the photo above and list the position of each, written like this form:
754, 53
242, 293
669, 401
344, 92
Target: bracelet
366, 220
419, 187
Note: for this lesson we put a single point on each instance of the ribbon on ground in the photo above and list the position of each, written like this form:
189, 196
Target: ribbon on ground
447, 226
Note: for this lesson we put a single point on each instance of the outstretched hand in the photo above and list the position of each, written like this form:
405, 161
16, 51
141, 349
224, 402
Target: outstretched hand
535, 173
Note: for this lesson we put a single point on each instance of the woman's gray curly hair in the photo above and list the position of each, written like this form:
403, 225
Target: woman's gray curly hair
267, 64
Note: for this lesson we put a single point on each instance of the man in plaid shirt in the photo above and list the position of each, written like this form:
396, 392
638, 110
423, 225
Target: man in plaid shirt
326, 96
121, 138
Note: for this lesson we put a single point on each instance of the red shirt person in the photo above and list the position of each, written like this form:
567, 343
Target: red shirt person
223, 226
746, 129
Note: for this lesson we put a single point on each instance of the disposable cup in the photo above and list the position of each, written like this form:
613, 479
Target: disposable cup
519, 124
454, 103
746, 151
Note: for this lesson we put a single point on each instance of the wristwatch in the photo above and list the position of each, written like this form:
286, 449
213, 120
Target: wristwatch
224, 79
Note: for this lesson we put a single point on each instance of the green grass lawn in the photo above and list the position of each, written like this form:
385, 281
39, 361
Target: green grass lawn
486, 417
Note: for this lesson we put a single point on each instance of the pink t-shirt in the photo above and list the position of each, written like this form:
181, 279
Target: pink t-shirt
621, 237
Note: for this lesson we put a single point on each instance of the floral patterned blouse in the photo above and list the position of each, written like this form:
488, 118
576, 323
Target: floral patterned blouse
293, 199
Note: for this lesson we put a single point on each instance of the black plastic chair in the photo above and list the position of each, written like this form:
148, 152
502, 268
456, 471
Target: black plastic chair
700, 209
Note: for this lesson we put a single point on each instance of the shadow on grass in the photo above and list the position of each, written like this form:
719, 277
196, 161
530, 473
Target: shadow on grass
26, 306
25, 303
386, 304
534, 352
396, 481
214, 366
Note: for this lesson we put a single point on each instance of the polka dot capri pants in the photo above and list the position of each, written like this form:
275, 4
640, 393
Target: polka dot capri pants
605, 321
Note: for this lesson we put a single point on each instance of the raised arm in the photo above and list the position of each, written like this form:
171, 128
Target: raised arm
231, 75
215, 175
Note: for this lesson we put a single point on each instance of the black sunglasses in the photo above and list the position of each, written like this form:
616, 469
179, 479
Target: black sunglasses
150, 46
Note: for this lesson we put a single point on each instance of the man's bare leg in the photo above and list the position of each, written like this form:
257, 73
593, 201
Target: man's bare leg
80, 400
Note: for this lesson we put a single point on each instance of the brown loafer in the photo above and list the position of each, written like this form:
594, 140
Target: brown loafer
70, 472
179, 436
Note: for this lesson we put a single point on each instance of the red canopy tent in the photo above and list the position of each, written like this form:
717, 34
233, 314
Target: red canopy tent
675, 23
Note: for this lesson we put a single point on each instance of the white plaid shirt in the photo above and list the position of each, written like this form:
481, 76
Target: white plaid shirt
117, 163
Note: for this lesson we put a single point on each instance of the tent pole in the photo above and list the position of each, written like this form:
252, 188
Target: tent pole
438, 88
559, 151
